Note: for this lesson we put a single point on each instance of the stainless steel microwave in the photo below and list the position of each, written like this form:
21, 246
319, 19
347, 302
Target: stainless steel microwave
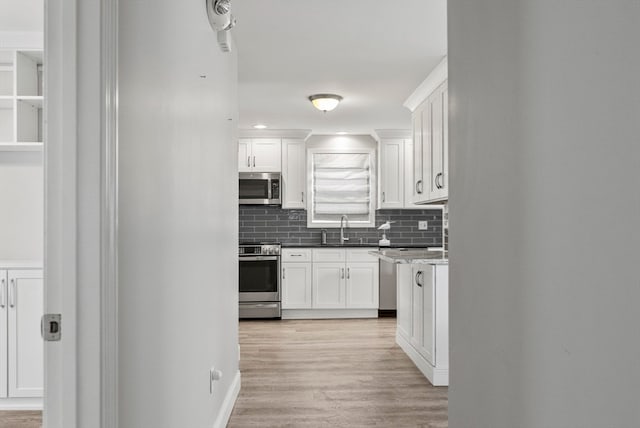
260, 188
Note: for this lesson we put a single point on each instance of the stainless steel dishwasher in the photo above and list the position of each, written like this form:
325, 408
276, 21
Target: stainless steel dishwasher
387, 297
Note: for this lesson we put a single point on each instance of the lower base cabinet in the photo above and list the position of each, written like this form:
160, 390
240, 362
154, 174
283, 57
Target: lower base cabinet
423, 323
21, 347
329, 283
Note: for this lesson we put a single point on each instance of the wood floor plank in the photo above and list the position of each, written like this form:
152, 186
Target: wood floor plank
331, 373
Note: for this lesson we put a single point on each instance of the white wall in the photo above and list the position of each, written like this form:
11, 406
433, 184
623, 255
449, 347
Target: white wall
544, 213
178, 292
21, 206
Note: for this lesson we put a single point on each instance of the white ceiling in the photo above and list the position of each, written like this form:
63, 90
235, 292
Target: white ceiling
374, 53
22, 15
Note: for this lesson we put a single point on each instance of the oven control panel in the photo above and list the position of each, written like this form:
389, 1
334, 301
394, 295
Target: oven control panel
265, 250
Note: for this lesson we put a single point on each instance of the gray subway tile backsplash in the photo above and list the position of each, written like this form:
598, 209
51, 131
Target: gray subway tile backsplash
272, 223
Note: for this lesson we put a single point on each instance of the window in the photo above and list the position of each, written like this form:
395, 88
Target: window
341, 183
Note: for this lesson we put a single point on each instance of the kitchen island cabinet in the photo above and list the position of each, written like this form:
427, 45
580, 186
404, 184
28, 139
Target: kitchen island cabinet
423, 320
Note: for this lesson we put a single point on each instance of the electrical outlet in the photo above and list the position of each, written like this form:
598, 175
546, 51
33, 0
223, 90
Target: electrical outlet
214, 375
423, 225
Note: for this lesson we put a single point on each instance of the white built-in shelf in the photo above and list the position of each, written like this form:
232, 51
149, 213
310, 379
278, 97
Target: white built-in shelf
21, 100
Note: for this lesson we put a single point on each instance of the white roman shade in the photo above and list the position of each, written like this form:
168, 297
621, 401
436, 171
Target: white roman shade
342, 184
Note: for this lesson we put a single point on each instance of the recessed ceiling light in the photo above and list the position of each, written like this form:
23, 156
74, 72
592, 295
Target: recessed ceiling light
260, 126
325, 102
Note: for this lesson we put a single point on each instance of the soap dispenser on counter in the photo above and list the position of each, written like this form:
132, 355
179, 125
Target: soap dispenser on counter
384, 242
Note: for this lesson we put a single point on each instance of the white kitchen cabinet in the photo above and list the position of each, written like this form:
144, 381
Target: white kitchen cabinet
21, 347
259, 155
436, 157
344, 283
362, 285
4, 366
296, 285
352, 272
404, 300
294, 179
431, 148
422, 320
25, 345
391, 188
329, 285
396, 185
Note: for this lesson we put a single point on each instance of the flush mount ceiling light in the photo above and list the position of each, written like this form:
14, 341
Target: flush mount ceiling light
325, 102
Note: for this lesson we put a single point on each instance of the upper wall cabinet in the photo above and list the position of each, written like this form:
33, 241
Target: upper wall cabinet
395, 187
21, 99
391, 184
294, 178
429, 105
259, 155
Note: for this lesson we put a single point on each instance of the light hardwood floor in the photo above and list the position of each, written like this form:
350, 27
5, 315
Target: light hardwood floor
321, 373
20, 419
332, 373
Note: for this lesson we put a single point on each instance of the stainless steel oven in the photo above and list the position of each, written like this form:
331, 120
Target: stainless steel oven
259, 280
259, 188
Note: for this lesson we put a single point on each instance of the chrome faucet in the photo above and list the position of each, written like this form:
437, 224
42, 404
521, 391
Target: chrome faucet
343, 219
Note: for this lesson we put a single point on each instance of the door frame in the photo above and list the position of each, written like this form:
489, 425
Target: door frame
80, 260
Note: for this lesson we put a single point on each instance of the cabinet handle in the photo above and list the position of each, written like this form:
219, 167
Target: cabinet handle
296, 255
302, 196
254, 161
419, 187
384, 197
437, 180
283, 277
12, 293
3, 295
342, 270
348, 273
249, 161
418, 275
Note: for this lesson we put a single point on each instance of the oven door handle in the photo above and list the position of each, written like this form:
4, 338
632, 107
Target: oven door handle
257, 258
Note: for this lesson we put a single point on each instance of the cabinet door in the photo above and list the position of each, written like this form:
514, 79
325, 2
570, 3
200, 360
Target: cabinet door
244, 155
391, 174
437, 189
404, 304
3, 333
418, 187
26, 375
417, 303
428, 314
362, 285
294, 178
266, 155
329, 285
296, 285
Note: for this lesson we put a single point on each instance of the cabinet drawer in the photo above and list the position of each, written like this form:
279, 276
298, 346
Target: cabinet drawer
329, 255
361, 255
296, 255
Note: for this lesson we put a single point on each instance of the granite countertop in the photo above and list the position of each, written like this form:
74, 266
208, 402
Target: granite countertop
411, 256
354, 245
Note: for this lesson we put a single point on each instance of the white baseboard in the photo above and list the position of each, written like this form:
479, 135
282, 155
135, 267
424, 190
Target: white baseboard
20, 403
309, 314
229, 401
438, 376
